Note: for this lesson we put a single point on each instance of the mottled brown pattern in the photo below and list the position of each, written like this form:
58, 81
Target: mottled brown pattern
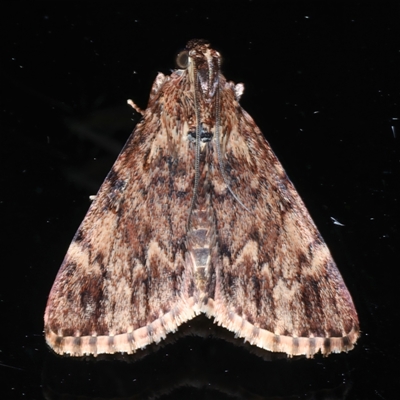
145, 259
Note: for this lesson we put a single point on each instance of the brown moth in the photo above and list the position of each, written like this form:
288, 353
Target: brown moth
196, 216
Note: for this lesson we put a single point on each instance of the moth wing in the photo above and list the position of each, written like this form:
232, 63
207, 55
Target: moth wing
276, 284
123, 282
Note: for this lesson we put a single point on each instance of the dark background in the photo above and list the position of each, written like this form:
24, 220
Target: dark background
322, 82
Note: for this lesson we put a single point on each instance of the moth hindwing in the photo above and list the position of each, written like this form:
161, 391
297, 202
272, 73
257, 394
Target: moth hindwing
196, 216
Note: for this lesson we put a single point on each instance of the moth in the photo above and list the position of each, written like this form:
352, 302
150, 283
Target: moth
196, 216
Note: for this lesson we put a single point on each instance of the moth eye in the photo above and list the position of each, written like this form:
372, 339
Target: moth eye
182, 59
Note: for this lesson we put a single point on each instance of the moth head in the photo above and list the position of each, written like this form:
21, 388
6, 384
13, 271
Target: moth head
202, 64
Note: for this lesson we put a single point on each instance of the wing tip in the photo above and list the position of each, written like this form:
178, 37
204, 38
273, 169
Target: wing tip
292, 346
128, 342
135, 339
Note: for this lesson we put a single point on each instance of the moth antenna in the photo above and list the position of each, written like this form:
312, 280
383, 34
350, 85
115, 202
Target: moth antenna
219, 152
135, 106
197, 157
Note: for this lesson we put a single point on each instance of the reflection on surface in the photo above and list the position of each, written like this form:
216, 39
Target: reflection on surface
201, 361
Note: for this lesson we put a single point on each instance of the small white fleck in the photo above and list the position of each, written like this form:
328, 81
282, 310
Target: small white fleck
336, 222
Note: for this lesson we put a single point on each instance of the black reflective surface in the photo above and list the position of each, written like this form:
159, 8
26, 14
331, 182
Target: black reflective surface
321, 81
